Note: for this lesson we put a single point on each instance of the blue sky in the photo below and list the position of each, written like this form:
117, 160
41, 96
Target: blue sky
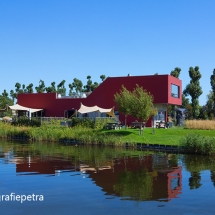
54, 40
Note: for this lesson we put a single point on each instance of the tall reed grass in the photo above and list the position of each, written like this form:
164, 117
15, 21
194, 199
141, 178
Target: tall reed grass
200, 124
54, 133
198, 144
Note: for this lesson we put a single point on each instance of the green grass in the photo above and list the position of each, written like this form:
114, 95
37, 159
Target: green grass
51, 133
171, 136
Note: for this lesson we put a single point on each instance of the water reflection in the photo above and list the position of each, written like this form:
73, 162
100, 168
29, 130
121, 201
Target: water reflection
195, 165
138, 175
140, 179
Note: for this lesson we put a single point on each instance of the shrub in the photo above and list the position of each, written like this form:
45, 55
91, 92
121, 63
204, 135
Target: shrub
85, 122
195, 143
25, 121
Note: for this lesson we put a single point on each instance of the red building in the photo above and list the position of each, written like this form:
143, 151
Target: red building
166, 90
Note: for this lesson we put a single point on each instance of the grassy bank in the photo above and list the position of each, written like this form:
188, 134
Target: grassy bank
170, 136
53, 133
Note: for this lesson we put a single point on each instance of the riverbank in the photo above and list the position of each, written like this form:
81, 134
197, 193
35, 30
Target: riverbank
171, 136
54, 133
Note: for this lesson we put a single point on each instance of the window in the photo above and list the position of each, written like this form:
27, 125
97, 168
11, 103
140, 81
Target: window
174, 91
160, 116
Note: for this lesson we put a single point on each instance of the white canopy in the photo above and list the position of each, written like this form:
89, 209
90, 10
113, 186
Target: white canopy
19, 107
85, 109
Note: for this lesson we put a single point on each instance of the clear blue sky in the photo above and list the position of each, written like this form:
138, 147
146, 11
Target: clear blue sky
54, 40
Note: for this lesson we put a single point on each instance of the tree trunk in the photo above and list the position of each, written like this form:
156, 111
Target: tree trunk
153, 125
125, 122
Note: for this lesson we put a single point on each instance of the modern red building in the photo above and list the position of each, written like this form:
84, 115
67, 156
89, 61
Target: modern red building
166, 90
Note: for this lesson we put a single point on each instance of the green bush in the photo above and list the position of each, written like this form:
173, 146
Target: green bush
25, 121
197, 144
85, 122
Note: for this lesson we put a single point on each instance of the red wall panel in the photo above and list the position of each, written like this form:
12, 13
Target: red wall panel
158, 85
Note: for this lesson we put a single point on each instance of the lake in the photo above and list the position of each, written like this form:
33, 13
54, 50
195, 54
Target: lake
52, 178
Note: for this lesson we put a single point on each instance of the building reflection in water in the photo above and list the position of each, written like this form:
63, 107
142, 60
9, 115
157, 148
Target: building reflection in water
151, 177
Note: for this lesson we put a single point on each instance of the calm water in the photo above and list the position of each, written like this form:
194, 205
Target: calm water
95, 180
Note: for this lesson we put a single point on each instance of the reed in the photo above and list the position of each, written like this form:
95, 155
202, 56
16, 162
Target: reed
55, 133
198, 144
200, 124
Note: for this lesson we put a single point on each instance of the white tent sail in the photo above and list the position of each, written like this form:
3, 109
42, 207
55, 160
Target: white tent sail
19, 107
84, 109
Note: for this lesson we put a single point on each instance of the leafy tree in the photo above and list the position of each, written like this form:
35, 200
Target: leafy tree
186, 104
175, 72
52, 88
194, 90
29, 88
123, 101
18, 86
88, 86
61, 88
41, 88
213, 88
185, 101
18, 89
77, 85
70, 89
203, 112
13, 95
24, 90
102, 77
141, 104
94, 85
138, 103
4, 101
209, 107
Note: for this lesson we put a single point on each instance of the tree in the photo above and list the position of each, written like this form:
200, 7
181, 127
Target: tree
102, 77
52, 88
185, 101
13, 95
41, 88
213, 88
4, 101
137, 103
18, 88
209, 107
123, 101
29, 88
187, 105
94, 85
142, 104
88, 86
194, 90
77, 85
70, 89
61, 88
176, 72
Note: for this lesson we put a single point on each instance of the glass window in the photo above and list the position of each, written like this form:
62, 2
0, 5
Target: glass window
160, 116
174, 91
